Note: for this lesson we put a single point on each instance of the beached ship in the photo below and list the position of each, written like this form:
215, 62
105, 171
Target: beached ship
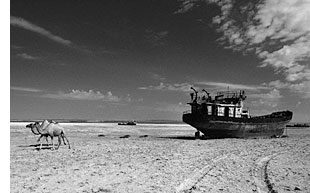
224, 116
128, 123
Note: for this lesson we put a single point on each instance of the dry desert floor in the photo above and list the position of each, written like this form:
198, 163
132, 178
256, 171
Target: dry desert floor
157, 158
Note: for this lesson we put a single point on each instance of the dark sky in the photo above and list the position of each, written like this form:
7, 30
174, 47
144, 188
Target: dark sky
137, 59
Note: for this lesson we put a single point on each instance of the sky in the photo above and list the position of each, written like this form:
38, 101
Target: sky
123, 60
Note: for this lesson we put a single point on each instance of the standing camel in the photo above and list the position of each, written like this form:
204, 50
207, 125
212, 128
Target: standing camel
35, 131
49, 129
44, 124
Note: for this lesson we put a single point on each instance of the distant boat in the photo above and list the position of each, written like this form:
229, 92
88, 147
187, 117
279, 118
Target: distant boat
128, 123
298, 125
224, 116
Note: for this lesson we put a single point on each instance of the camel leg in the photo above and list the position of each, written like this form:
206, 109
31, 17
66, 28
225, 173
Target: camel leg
48, 145
67, 140
40, 145
59, 142
53, 148
62, 136
39, 140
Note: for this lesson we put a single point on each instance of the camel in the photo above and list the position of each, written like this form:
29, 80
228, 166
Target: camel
36, 132
51, 129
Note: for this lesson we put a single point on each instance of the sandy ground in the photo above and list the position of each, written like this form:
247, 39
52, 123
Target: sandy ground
157, 158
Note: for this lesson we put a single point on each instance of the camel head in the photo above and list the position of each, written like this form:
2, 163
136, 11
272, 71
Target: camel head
30, 125
34, 127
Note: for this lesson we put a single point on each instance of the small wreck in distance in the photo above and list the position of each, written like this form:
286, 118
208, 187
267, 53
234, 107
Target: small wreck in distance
224, 116
133, 122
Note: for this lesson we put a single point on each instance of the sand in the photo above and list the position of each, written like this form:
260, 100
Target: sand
157, 158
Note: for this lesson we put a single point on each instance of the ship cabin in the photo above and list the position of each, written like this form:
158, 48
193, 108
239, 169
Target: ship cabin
224, 104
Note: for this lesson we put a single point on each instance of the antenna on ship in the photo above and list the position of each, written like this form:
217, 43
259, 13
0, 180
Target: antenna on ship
196, 95
205, 92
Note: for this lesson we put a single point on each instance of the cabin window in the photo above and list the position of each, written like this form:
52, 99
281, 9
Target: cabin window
209, 110
220, 111
245, 114
231, 111
238, 112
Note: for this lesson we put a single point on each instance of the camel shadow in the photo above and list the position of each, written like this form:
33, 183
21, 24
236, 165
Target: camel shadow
37, 146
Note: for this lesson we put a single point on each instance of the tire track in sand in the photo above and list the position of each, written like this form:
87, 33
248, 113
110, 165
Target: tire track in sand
260, 175
188, 184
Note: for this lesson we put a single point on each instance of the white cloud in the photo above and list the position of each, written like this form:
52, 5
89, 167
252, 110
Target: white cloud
174, 108
281, 19
183, 87
16, 47
27, 56
302, 88
84, 95
185, 7
213, 86
279, 32
25, 89
22, 23
271, 98
224, 85
278, 84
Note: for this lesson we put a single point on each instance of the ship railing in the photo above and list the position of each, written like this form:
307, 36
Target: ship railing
228, 94
187, 112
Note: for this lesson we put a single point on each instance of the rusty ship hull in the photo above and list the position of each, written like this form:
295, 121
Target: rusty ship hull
271, 125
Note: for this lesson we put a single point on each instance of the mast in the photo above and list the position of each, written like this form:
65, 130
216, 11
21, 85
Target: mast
196, 94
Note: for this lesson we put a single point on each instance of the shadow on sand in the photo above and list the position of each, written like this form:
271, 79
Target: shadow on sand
181, 137
192, 138
37, 146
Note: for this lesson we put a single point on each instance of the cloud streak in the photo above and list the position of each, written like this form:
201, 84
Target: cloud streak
27, 56
25, 89
186, 6
22, 23
180, 87
223, 85
84, 95
185, 87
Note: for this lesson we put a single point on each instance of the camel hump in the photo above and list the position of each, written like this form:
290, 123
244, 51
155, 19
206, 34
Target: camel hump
55, 129
53, 126
46, 122
52, 121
